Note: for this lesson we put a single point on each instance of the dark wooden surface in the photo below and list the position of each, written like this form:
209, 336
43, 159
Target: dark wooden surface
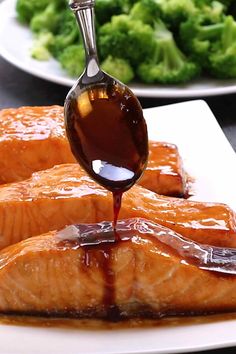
18, 88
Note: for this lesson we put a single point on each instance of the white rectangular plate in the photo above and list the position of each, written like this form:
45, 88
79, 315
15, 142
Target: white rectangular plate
207, 155
209, 158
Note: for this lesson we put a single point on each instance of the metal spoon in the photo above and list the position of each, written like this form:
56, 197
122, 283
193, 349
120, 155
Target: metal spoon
104, 120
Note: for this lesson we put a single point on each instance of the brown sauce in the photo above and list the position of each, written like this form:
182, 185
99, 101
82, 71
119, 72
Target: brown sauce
109, 310
98, 325
108, 136
99, 242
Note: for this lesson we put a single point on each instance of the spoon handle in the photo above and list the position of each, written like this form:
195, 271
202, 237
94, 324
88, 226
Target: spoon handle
84, 12
76, 5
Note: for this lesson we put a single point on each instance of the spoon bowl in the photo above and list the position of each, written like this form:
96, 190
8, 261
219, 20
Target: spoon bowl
107, 132
104, 120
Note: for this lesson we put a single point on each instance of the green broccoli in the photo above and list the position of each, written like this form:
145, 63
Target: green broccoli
26, 9
210, 12
173, 12
210, 3
67, 34
119, 68
72, 59
126, 38
105, 9
169, 65
133, 40
146, 11
47, 20
40, 46
222, 61
198, 38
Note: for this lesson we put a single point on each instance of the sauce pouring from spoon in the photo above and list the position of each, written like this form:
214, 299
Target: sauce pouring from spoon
104, 120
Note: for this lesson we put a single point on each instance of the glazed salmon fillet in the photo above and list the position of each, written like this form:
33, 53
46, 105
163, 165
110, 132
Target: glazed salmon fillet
65, 195
164, 173
33, 139
54, 274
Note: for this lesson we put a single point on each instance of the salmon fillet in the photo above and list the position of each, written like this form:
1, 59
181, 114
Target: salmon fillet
164, 173
53, 274
33, 139
65, 195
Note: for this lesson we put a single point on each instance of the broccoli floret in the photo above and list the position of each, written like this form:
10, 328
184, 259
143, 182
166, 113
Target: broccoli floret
72, 60
26, 9
197, 38
225, 4
47, 20
146, 11
222, 62
174, 12
105, 9
118, 68
67, 34
169, 65
126, 38
210, 12
40, 46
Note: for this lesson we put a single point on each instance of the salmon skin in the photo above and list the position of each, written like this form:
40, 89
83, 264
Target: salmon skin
65, 195
33, 139
57, 275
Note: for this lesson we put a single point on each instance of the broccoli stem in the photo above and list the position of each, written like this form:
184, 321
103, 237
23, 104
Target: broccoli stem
167, 50
210, 31
229, 33
168, 53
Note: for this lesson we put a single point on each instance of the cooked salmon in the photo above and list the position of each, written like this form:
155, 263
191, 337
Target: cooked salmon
164, 173
65, 195
54, 274
33, 139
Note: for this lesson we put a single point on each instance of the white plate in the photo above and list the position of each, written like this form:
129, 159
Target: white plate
209, 157
16, 41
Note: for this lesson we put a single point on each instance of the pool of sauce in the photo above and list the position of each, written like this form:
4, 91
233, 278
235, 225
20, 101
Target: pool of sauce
96, 325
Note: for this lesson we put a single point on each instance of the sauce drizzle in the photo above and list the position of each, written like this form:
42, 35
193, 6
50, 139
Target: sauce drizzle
108, 136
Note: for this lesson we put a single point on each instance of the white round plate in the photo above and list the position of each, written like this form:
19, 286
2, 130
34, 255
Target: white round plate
16, 41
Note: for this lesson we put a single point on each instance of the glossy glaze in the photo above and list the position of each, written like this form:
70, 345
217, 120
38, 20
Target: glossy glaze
108, 136
31, 123
33, 139
66, 273
164, 173
65, 195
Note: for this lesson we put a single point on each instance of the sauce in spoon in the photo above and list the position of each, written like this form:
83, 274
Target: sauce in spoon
104, 120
